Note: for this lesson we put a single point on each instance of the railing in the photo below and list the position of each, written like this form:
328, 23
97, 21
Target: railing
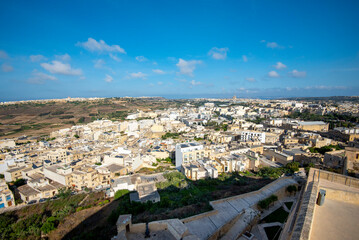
335, 177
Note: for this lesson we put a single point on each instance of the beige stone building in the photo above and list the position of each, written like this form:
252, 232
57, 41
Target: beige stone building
351, 165
278, 156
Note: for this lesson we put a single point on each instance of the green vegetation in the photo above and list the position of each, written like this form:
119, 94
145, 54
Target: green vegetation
265, 203
8, 117
258, 120
181, 197
292, 189
81, 120
67, 117
76, 136
118, 115
279, 215
98, 164
121, 193
289, 205
19, 182
171, 135
271, 172
324, 149
273, 233
32, 221
59, 112
334, 119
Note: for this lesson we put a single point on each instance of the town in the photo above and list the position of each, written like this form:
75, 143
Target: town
202, 139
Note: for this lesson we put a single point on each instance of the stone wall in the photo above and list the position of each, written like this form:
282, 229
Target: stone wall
304, 219
341, 195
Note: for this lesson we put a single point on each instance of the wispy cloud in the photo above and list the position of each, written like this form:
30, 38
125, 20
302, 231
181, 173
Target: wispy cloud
218, 53
108, 78
100, 46
245, 59
37, 58
298, 74
195, 83
3, 54
137, 75
40, 78
273, 74
158, 71
99, 63
141, 58
250, 79
57, 67
272, 44
65, 57
187, 67
114, 57
7, 68
279, 66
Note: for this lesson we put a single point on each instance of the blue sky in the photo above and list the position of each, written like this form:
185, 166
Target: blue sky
178, 49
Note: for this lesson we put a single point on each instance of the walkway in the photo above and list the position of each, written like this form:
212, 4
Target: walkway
227, 209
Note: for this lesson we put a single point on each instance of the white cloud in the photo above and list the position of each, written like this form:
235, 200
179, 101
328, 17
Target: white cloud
245, 59
187, 67
138, 75
114, 57
100, 46
159, 83
65, 57
218, 53
272, 45
58, 67
3, 54
194, 83
108, 78
7, 68
37, 58
279, 65
141, 58
273, 74
158, 71
40, 78
250, 79
99, 63
297, 74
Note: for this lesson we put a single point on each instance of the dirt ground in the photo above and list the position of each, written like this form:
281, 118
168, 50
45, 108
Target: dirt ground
37, 119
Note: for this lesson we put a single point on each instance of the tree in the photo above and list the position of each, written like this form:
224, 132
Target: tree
76, 136
293, 167
120, 193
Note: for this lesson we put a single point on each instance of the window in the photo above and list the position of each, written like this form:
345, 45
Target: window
2, 205
8, 197
0, 199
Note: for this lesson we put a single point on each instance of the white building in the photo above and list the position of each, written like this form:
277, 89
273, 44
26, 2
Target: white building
253, 136
186, 152
6, 196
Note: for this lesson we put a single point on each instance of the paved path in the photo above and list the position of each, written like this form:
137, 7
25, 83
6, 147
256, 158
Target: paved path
229, 208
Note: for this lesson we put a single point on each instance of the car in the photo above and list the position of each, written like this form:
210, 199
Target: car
32, 202
42, 200
98, 187
54, 197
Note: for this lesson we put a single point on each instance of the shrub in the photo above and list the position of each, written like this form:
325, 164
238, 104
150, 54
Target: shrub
265, 203
291, 189
121, 193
